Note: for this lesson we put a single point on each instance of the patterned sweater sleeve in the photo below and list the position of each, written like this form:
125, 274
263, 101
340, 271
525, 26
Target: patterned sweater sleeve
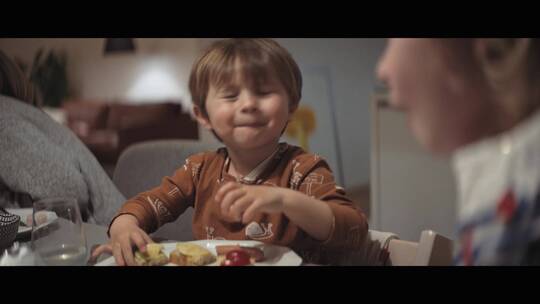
313, 177
168, 201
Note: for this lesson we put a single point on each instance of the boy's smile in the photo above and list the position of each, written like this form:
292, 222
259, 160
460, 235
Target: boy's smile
251, 124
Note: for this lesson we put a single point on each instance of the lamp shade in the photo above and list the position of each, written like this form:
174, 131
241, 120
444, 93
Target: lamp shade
119, 45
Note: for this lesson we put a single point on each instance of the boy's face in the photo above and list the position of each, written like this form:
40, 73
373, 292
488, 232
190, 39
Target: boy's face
439, 88
244, 117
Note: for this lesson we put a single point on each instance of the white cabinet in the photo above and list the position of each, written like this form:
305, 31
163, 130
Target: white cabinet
410, 190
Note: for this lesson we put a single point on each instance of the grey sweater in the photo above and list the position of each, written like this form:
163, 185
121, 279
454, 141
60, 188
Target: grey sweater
40, 158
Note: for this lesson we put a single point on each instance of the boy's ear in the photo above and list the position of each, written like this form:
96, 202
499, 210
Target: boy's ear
201, 118
502, 58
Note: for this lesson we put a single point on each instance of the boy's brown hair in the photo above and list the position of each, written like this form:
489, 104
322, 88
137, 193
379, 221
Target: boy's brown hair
259, 59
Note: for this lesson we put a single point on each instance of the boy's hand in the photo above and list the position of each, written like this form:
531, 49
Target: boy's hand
242, 202
125, 232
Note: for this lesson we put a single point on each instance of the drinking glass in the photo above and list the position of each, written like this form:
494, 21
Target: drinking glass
58, 237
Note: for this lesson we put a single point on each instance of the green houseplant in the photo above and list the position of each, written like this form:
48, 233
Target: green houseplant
49, 74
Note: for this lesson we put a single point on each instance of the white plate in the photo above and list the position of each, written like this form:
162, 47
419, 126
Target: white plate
26, 217
274, 255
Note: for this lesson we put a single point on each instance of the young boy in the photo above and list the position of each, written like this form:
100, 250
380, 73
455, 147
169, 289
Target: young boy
245, 91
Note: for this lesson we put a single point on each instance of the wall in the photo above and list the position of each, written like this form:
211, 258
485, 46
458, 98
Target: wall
411, 190
118, 76
351, 64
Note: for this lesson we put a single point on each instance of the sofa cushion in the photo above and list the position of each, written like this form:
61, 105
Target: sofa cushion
127, 116
93, 115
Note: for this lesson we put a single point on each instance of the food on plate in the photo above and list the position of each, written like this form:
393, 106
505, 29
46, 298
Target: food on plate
187, 254
237, 257
153, 256
255, 253
190, 254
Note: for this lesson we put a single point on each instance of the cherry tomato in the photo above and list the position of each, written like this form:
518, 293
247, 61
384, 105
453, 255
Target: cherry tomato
237, 258
227, 263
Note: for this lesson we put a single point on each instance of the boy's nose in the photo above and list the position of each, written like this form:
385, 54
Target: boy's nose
249, 103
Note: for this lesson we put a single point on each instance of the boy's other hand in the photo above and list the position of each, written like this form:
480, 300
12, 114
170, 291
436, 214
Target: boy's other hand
241, 203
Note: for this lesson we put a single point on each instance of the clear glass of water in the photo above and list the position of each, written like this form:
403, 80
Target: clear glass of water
58, 237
